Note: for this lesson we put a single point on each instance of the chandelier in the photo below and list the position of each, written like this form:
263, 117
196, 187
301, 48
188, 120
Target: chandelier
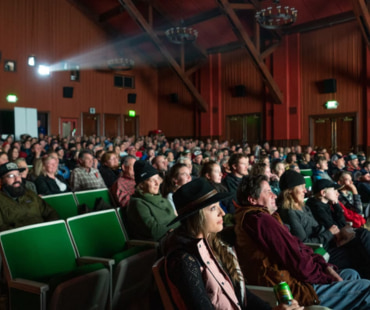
120, 64
181, 34
276, 16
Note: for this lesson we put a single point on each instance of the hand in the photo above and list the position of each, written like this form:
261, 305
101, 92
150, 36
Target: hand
351, 187
334, 274
334, 229
293, 306
274, 177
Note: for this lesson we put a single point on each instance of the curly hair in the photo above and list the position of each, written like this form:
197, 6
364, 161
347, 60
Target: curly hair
250, 186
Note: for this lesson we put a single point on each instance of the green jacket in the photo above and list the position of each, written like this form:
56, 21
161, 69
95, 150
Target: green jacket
26, 210
148, 216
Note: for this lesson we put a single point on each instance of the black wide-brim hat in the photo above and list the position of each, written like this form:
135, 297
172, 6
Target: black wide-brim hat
194, 196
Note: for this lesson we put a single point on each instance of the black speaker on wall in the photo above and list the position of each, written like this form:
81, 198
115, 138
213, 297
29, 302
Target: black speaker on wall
131, 98
118, 81
328, 86
240, 91
67, 92
174, 98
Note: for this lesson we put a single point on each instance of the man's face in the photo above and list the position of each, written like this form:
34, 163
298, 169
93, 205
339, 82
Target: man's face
267, 198
198, 159
12, 182
87, 161
354, 162
241, 168
128, 170
161, 163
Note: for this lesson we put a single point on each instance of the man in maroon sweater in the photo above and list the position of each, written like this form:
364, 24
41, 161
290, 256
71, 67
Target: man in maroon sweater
269, 254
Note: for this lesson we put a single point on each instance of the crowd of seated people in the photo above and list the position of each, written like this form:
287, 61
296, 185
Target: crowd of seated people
142, 176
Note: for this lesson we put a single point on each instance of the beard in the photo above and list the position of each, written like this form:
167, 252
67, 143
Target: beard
15, 192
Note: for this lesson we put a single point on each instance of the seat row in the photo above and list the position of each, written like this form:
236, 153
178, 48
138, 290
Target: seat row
85, 262
66, 204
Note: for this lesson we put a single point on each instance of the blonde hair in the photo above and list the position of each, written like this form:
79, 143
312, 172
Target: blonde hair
194, 225
288, 201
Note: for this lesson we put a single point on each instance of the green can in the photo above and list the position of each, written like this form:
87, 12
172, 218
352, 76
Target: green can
283, 293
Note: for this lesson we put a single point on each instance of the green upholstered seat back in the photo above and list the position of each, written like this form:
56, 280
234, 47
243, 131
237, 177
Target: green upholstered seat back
89, 197
38, 251
97, 234
65, 204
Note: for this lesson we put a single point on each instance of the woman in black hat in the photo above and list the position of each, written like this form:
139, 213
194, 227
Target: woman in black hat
335, 238
203, 272
148, 212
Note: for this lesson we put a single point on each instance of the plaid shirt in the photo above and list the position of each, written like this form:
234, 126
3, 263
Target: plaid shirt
122, 190
83, 180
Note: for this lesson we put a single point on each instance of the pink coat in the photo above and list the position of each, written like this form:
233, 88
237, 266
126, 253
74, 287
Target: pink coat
216, 281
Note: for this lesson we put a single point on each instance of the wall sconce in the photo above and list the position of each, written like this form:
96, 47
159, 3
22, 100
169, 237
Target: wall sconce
31, 61
12, 98
10, 65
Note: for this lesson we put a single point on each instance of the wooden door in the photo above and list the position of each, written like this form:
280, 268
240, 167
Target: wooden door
235, 129
131, 126
334, 132
90, 124
346, 134
112, 125
244, 128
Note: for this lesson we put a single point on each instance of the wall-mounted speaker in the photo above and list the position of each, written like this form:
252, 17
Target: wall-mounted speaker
67, 92
131, 98
240, 91
327, 86
174, 98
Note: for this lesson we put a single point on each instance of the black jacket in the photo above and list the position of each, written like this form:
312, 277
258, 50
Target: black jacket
47, 186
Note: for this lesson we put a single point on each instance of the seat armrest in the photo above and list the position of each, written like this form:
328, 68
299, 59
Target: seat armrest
152, 244
91, 260
313, 245
28, 286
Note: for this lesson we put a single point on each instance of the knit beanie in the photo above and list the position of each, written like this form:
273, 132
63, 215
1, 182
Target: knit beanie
143, 170
290, 179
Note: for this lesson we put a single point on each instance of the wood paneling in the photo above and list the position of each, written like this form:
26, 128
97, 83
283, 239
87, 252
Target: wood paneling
55, 31
335, 52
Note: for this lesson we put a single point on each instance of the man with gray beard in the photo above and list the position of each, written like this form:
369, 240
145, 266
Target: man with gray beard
20, 206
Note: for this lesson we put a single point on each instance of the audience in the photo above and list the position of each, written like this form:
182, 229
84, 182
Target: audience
109, 168
124, 187
268, 254
20, 206
148, 213
85, 176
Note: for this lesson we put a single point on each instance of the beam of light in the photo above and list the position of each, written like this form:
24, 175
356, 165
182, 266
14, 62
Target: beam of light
96, 58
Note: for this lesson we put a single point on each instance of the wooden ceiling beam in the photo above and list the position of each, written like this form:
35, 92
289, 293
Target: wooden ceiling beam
363, 17
140, 20
242, 6
256, 57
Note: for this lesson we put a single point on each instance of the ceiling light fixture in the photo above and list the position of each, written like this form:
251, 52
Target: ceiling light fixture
181, 34
121, 64
276, 16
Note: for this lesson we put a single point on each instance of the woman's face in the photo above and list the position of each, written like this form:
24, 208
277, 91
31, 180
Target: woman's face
51, 166
299, 193
151, 185
280, 169
112, 162
183, 176
15, 154
216, 174
213, 218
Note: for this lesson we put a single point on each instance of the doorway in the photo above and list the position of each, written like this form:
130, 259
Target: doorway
112, 125
68, 127
244, 128
131, 126
336, 133
90, 124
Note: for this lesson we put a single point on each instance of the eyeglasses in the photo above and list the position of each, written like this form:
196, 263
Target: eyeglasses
13, 176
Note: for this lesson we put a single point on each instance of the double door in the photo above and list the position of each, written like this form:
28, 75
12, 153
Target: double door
336, 133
